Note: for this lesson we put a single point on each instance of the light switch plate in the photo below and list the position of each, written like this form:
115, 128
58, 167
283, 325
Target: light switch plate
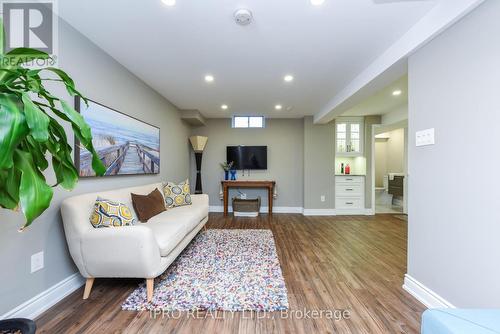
424, 137
36, 262
323, 198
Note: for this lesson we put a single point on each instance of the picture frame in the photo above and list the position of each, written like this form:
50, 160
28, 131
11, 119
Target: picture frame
125, 144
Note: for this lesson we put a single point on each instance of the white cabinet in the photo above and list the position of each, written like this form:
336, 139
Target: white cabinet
349, 195
349, 136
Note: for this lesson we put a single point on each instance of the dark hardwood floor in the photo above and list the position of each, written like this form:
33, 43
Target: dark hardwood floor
352, 264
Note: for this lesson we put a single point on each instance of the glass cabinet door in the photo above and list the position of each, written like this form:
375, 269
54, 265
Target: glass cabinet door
342, 137
354, 138
349, 137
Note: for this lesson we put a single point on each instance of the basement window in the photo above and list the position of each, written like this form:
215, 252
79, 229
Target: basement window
243, 122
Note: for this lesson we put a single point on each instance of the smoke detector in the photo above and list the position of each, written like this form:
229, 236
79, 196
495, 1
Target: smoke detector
243, 17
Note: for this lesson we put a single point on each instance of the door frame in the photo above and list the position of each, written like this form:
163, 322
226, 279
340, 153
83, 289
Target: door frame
378, 128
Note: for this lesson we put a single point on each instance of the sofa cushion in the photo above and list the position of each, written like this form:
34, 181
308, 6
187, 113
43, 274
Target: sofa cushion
177, 194
171, 226
148, 206
107, 213
168, 230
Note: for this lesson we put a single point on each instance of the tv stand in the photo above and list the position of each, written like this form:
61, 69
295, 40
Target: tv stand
269, 185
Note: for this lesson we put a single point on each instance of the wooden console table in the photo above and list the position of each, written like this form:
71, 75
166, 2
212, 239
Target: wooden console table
269, 185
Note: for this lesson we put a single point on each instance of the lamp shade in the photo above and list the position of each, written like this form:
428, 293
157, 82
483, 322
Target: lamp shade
198, 143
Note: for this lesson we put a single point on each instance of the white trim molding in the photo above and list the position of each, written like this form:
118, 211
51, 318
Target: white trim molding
425, 295
43, 301
370, 211
305, 212
264, 209
319, 212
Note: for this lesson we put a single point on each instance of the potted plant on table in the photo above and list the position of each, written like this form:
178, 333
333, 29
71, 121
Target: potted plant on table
226, 166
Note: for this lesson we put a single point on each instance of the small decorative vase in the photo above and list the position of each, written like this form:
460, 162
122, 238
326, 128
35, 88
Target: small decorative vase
233, 175
226, 175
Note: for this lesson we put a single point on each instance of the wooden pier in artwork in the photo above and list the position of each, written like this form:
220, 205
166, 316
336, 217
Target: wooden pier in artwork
129, 158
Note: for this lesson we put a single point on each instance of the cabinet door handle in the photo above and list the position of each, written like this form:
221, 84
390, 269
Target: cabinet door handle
348, 179
349, 189
349, 203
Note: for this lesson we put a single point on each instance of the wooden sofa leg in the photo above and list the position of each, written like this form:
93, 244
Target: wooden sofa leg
149, 288
88, 287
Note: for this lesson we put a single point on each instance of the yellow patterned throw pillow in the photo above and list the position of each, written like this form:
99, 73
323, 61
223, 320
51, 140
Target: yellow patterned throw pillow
177, 194
108, 213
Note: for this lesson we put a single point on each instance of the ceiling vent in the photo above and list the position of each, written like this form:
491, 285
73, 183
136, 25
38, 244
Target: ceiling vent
243, 17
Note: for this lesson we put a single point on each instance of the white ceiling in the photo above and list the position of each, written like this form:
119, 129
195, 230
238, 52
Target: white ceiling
383, 101
172, 48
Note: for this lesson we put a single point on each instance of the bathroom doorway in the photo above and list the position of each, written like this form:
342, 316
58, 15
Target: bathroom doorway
390, 168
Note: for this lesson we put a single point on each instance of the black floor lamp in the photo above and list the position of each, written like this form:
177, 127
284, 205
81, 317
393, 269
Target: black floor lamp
198, 143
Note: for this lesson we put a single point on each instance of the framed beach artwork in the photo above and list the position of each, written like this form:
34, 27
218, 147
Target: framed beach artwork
126, 145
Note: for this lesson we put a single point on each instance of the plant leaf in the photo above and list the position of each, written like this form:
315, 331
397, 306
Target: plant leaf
13, 129
37, 120
66, 173
83, 133
9, 188
38, 152
68, 82
34, 193
77, 120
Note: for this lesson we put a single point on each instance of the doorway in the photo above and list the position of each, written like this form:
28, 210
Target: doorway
389, 161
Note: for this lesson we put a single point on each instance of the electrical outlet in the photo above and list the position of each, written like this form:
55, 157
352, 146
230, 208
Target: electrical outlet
424, 137
36, 262
243, 196
323, 198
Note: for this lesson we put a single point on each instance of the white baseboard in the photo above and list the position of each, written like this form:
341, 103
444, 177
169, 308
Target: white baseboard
319, 212
370, 212
48, 298
305, 212
264, 209
425, 295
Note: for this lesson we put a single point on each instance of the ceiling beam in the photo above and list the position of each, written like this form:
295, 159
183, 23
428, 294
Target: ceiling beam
392, 64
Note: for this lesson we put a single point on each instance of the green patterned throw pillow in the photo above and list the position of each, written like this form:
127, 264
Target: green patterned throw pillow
108, 213
177, 194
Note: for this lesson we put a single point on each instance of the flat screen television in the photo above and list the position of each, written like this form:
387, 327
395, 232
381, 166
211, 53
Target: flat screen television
247, 157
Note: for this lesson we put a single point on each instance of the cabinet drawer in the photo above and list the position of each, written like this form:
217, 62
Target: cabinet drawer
349, 179
347, 190
349, 203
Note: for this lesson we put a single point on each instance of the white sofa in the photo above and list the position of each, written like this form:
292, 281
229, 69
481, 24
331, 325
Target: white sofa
141, 251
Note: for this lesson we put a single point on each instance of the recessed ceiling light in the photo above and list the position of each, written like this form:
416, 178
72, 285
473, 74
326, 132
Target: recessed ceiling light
169, 2
397, 92
209, 78
278, 107
224, 107
288, 78
317, 2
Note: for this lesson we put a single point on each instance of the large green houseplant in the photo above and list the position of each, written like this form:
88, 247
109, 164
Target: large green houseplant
31, 133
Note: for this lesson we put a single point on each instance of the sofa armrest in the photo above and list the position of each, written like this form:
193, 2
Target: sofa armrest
128, 251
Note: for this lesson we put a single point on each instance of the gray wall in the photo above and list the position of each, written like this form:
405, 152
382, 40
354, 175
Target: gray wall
284, 139
100, 78
454, 221
319, 164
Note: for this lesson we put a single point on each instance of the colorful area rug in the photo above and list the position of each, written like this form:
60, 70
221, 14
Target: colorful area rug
229, 270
